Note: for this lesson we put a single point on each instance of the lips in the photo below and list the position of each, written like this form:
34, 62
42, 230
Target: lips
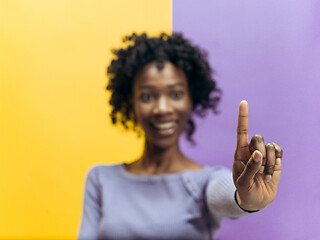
165, 129
164, 126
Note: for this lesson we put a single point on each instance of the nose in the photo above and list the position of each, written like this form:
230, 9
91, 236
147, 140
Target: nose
163, 105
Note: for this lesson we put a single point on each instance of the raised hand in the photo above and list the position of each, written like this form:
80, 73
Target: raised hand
256, 166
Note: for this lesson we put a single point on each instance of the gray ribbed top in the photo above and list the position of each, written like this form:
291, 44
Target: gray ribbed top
186, 205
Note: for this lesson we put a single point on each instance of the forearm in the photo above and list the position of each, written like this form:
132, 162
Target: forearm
220, 197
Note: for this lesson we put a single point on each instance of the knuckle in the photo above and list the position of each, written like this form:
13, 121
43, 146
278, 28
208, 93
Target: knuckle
242, 131
270, 146
269, 169
277, 147
257, 138
269, 166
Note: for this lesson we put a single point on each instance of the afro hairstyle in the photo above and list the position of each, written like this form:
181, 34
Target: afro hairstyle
174, 48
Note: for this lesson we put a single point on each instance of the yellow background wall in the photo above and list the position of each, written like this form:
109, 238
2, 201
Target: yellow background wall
54, 120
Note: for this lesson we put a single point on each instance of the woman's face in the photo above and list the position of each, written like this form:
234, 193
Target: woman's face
161, 103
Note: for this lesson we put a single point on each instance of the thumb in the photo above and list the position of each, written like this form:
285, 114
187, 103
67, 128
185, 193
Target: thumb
252, 167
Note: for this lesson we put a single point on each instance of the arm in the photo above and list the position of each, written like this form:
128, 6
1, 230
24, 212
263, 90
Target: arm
91, 208
220, 195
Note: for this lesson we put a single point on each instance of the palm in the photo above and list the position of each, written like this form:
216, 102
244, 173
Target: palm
256, 181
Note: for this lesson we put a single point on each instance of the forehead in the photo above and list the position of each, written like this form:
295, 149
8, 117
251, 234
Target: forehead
151, 76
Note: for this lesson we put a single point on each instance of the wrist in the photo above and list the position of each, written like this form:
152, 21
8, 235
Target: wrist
239, 203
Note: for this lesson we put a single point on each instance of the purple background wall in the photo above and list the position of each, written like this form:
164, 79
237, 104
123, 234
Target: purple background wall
267, 52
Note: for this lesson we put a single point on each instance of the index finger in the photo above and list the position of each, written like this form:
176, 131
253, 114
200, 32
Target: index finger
242, 129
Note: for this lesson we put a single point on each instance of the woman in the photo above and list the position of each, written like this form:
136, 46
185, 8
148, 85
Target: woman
157, 85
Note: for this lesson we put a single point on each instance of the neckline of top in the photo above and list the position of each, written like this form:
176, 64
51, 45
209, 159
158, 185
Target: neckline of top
170, 176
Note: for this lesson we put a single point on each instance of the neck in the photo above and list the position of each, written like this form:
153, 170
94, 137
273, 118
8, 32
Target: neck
157, 160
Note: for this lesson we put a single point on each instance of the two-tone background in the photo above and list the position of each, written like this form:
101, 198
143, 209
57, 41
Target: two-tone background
54, 120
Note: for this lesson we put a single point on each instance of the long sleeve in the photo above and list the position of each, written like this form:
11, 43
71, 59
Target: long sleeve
220, 195
91, 215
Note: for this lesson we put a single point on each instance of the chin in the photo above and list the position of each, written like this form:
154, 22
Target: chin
163, 144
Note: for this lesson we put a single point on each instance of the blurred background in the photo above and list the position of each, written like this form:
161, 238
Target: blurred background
267, 52
54, 120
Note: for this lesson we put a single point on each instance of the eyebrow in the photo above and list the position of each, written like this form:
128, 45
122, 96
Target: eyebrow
170, 86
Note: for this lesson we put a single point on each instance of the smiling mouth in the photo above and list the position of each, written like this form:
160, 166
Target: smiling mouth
165, 129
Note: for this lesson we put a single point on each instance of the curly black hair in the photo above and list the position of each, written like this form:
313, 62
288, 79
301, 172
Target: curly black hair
174, 48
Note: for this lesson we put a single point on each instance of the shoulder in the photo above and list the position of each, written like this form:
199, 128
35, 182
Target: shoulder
196, 182
100, 172
218, 171
209, 176
208, 173
220, 177
102, 168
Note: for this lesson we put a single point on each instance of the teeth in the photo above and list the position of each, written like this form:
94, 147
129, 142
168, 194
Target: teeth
164, 125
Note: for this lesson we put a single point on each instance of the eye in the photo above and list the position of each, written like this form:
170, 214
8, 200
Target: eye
176, 95
146, 97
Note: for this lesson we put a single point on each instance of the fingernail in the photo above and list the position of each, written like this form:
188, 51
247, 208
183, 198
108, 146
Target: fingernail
256, 157
267, 178
261, 169
278, 161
